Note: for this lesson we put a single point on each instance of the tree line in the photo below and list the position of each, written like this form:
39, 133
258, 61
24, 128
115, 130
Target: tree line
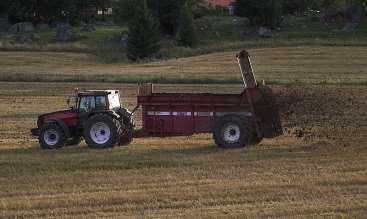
149, 20
51, 10
269, 12
259, 12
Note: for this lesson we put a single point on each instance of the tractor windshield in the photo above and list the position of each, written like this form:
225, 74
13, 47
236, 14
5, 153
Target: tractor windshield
87, 103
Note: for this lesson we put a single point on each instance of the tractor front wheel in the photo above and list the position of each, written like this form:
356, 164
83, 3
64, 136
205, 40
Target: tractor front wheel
102, 131
51, 136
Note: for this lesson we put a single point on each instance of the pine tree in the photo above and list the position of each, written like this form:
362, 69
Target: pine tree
187, 34
143, 39
168, 14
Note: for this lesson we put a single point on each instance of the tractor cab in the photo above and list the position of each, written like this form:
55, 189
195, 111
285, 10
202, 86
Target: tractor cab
97, 100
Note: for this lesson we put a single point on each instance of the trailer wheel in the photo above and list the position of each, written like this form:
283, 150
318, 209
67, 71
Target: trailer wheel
101, 131
51, 137
232, 131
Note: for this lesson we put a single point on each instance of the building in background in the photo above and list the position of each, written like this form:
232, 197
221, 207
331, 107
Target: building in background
225, 4
222, 3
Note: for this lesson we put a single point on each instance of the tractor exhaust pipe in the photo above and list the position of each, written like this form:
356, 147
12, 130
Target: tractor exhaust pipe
248, 76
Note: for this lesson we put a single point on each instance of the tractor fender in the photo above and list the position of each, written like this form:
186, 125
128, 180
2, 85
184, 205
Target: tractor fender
62, 125
109, 112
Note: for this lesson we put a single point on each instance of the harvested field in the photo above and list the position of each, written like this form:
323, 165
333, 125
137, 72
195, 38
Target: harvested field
317, 169
287, 64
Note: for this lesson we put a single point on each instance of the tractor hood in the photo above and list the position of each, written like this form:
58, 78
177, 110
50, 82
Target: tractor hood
46, 115
69, 117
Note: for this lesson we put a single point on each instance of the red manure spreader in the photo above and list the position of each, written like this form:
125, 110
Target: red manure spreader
235, 120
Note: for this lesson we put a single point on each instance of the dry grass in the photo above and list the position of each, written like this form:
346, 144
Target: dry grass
287, 64
321, 174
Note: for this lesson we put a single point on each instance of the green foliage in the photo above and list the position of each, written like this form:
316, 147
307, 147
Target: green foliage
260, 12
168, 14
361, 4
334, 5
4, 7
55, 10
342, 5
19, 10
299, 6
219, 28
348, 10
166, 11
187, 34
143, 39
123, 11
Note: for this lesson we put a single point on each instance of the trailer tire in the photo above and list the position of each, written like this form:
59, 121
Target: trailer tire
102, 131
232, 131
51, 137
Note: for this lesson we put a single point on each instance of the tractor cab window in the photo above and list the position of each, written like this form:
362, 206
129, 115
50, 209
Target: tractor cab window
86, 104
101, 102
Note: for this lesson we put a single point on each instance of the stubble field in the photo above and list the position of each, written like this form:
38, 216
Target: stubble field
317, 169
304, 64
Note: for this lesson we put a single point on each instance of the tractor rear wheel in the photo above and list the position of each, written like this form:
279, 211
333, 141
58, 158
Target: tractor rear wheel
232, 131
102, 131
51, 137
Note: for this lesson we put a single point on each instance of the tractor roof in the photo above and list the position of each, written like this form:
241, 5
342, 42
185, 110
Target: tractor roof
97, 92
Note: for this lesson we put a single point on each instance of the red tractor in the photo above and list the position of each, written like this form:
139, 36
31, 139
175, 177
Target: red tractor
97, 116
235, 120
